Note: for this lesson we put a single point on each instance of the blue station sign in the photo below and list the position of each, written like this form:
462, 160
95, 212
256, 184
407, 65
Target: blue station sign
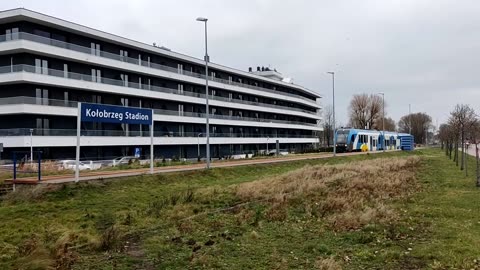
115, 114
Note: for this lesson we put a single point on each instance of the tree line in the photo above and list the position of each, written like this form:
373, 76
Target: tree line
461, 131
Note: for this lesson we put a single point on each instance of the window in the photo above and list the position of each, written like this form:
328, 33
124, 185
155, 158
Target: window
95, 49
65, 98
181, 130
41, 96
124, 101
96, 75
124, 78
39, 123
43, 125
123, 55
180, 109
11, 34
41, 66
97, 99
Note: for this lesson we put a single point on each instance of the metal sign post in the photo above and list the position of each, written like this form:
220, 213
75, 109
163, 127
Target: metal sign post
77, 151
151, 146
89, 112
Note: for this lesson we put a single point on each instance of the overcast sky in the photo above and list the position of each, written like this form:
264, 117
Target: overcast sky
420, 52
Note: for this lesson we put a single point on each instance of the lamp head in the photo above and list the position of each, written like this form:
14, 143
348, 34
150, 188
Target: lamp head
201, 19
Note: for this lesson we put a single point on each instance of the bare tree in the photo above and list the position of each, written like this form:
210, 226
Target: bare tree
444, 136
365, 110
389, 124
464, 118
418, 123
328, 125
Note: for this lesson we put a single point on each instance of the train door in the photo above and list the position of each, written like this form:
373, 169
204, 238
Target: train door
387, 142
351, 146
371, 143
374, 143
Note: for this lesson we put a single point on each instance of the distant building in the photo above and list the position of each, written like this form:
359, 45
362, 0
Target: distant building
47, 65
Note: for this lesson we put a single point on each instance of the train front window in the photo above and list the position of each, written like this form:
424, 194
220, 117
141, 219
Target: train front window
342, 136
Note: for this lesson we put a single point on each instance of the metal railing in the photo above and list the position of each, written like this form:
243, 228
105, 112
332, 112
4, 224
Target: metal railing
138, 133
89, 78
137, 61
66, 103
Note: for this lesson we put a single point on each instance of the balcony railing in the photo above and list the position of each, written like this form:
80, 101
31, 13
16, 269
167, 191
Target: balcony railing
66, 103
137, 61
137, 133
143, 86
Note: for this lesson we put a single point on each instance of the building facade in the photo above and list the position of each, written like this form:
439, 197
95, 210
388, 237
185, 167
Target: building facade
48, 65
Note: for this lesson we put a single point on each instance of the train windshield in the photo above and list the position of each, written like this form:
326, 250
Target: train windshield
342, 135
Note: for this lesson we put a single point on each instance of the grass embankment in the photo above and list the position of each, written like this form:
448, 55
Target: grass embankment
352, 212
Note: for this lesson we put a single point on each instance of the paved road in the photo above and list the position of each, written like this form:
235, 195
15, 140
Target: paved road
87, 176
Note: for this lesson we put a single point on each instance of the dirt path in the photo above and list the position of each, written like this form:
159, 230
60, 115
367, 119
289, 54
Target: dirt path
86, 176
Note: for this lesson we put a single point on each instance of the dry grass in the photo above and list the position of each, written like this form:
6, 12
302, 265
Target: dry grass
327, 264
348, 196
29, 193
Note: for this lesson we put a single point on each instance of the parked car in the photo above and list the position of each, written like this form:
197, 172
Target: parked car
70, 165
124, 160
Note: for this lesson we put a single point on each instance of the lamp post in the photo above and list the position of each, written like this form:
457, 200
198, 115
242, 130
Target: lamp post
204, 20
333, 101
198, 141
383, 119
31, 146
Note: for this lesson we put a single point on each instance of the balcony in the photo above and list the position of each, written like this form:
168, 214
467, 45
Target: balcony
102, 80
137, 133
136, 61
73, 104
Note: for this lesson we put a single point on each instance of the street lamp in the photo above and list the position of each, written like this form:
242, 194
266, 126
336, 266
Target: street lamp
198, 141
31, 146
383, 119
333, 97
204, 20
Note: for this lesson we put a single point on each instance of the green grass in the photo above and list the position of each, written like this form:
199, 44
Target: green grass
439, 225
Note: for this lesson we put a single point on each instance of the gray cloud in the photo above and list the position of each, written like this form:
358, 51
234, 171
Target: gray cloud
423, 52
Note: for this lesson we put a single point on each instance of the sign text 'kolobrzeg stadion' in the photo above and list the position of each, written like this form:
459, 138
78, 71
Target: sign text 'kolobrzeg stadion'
115, 114
88, 112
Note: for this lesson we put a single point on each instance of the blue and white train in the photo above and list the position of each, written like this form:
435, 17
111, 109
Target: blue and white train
356, 140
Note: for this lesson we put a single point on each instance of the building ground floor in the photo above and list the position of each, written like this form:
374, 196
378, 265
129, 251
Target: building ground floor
186, 151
